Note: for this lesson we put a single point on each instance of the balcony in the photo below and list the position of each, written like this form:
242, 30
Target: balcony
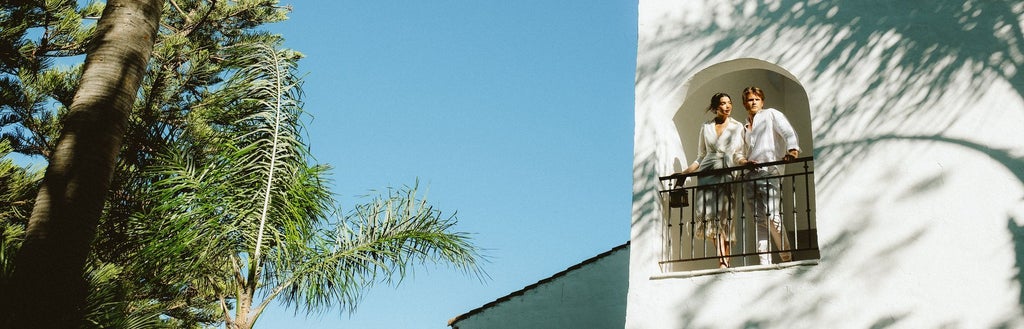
686, 250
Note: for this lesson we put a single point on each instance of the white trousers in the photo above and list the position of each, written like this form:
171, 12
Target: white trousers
763, 199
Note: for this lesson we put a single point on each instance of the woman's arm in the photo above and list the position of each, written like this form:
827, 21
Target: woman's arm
702, 151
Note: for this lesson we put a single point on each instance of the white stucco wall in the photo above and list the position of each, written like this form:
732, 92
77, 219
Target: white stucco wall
916, 114
588, 295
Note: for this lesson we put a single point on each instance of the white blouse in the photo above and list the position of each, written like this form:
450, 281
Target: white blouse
719, 151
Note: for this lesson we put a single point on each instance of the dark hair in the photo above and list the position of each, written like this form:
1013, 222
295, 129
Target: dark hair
754, 90
716, 100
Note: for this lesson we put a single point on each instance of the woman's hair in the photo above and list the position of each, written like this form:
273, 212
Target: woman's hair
716, 100
754, 90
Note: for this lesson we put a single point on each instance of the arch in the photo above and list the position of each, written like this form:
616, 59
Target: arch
782, 91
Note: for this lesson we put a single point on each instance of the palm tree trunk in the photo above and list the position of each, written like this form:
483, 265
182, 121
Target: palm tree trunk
242, 320
47, 287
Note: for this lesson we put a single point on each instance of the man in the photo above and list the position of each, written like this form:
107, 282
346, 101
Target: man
768, 137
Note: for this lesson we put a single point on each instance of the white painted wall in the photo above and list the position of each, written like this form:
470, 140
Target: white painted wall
592, 296
917, 122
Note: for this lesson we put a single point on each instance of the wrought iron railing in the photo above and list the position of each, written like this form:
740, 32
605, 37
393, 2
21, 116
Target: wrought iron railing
684, 247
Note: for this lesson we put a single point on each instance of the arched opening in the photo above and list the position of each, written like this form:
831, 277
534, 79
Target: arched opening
685, 251
781, 89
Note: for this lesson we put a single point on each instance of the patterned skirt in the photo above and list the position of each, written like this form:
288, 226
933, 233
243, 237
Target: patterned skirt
713, 204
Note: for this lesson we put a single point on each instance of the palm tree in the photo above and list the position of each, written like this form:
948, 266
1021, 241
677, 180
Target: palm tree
243, 218
47, 289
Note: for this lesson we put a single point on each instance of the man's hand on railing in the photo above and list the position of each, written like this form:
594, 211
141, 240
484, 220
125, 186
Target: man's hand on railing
791, 155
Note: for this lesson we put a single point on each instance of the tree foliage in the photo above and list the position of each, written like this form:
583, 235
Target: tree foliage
50, 264
248, 217
216, 207
18, 187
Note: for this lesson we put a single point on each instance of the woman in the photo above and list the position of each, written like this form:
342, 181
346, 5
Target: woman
719, 145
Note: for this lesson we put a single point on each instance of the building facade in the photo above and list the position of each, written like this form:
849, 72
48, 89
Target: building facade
912, 112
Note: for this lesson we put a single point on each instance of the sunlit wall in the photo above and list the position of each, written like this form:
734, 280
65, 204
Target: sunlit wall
915, 121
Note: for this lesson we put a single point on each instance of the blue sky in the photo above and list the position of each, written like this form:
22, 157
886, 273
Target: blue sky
517, 115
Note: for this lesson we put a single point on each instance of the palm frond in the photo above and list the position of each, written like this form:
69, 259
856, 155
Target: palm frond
380, 241
270, 88
248, 193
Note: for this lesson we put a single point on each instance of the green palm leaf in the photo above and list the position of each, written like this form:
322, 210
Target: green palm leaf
380, 241
246, 217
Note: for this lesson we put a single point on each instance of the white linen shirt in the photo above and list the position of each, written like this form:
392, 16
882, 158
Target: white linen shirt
771, 138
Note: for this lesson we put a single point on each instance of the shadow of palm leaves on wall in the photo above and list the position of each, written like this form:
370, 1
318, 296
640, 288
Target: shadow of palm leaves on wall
989, 43
1006, 158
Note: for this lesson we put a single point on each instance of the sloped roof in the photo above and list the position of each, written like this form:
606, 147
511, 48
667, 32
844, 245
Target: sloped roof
541, 282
